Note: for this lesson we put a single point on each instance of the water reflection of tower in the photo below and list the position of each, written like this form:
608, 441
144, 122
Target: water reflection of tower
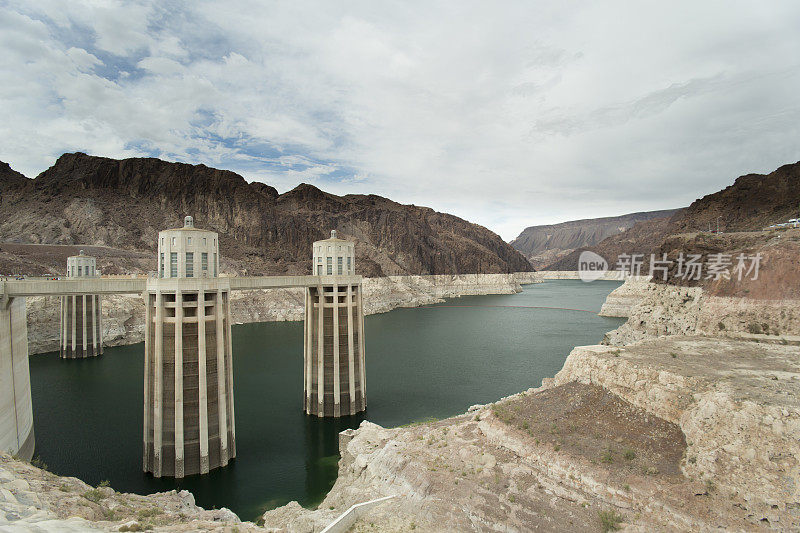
322, 452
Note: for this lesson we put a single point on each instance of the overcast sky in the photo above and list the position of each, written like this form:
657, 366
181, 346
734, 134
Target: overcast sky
508, 114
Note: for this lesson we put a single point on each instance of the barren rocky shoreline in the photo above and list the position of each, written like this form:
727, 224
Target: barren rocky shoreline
656, 310
674, 423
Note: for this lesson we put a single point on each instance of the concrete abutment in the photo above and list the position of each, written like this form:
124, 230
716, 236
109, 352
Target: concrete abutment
16, 408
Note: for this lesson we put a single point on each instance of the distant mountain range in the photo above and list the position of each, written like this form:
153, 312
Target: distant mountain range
543, 245
118, 206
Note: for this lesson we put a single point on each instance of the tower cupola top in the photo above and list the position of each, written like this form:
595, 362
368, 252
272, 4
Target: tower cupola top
334, 238
81, 265
188, 252
334, 256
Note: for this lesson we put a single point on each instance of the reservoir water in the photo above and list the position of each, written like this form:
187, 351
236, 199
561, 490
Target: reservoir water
425, 362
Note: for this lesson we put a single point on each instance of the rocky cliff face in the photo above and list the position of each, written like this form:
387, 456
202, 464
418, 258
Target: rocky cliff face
753, 202
655, 310
744, 209
122, 204
545, 244
624, 298
777, 275
10, 179
643, 238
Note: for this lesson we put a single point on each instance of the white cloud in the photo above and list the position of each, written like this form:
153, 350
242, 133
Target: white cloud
82, 60
506, 114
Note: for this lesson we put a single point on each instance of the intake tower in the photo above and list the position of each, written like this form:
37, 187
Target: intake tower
189, 423
81, 316
334, 376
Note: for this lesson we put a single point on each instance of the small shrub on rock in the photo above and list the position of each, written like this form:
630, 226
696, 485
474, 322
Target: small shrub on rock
609, 520
629, 455
93, 495
754, 328
147, 513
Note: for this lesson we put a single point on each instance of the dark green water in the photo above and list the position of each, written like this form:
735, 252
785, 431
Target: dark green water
424, 362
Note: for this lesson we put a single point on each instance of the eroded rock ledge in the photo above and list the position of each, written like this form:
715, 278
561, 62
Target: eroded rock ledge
707, 439
32, 499
736, 401
655, 310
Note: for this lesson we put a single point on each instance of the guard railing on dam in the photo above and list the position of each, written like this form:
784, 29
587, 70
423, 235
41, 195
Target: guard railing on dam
65, 287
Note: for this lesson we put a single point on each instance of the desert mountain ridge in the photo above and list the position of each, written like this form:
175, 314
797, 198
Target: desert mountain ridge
546, 244
117, 207
745, 210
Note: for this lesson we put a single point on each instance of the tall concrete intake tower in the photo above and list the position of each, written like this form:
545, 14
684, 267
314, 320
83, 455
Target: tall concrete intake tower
334, 376
189, 425
81, 317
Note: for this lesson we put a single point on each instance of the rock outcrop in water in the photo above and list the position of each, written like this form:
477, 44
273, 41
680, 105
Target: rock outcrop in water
32, 499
